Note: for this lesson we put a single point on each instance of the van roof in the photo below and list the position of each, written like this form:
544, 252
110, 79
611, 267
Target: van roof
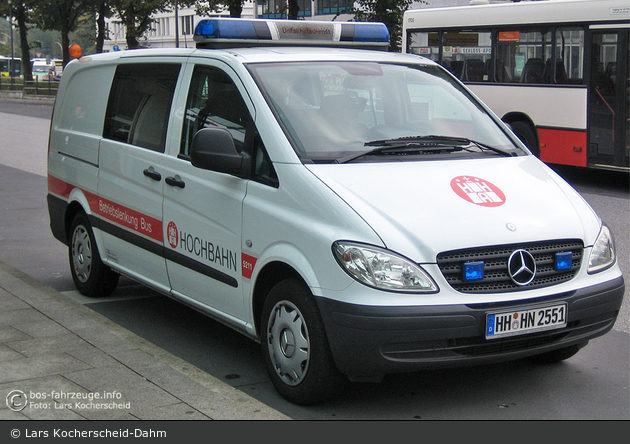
264, 54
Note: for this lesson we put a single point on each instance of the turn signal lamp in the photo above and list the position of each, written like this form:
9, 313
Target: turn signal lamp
75, 51
234, 32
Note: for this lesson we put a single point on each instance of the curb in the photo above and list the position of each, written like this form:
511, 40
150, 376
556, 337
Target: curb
80, 350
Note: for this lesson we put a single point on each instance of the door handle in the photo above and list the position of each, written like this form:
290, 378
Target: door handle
152, 174
175, 182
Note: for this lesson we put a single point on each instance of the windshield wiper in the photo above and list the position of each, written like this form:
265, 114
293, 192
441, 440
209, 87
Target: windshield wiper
422, 143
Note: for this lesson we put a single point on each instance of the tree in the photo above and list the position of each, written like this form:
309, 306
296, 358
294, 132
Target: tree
100, 10
20, 10
206, 7
137, 17
294, 9
389, 12
21, 14
62, 16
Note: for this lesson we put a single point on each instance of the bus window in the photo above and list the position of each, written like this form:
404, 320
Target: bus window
569, 56
426, 44
465, 54
524, 55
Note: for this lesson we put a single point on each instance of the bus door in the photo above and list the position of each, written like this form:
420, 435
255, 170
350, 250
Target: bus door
608, 99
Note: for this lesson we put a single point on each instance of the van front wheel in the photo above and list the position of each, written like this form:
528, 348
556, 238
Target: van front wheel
295, 347
90, 275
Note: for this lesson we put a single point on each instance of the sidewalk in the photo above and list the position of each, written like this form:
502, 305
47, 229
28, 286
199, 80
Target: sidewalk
70, 363
19, 97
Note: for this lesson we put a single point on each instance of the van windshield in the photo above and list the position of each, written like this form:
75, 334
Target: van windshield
369, 111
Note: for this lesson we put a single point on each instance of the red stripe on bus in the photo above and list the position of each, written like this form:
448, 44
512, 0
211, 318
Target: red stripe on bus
564, 147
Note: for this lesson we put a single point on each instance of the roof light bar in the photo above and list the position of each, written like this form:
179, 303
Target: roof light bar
234, 32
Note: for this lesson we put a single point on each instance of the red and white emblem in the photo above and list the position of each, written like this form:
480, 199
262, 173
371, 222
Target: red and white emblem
172, 235
478, 191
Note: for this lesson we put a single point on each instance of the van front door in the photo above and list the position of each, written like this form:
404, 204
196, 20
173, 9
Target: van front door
203, 209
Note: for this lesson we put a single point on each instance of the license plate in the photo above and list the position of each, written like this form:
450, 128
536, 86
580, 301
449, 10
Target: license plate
511, 323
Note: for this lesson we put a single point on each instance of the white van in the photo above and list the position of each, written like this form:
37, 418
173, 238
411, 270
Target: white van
357, 212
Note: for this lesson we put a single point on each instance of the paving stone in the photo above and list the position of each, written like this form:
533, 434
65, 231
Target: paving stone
38, 366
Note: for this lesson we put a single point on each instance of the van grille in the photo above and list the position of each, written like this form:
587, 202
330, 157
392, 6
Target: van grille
496, 278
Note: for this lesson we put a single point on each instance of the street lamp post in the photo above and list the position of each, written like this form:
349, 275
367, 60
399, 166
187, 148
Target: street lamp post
12, 73
176, 24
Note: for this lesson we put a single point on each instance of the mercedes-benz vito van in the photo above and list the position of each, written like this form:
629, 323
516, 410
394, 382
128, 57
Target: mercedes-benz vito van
358, 212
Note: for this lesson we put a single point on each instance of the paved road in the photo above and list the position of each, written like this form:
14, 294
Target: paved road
592, 385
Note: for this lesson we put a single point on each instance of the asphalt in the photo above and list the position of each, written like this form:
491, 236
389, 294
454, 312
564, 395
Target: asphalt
60, 360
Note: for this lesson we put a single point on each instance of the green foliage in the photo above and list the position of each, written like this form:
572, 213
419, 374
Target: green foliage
137, 18
389, 12
59, 15
208, 7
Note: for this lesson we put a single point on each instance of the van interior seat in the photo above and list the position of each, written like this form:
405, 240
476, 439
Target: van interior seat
149, 126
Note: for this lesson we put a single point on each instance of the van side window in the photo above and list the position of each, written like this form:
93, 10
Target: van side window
140, 103
86, 111
214, 101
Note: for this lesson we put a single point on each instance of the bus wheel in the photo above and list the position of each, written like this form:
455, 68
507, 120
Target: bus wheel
90, 275
295, 348
527, 134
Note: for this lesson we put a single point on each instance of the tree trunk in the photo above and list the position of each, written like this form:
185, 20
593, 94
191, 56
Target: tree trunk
65, 43
294, 9
236, 8
100, 27
132, 42
20, 16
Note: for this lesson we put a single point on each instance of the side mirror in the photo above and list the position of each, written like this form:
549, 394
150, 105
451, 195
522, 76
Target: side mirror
213, 149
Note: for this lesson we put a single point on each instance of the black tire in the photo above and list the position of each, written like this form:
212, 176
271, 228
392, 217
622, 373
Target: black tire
556, 356
295, 347
91, 277
527, 134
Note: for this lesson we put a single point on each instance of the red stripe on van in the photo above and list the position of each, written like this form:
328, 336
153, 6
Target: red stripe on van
112, 211
249, 262
59, 187
126, 217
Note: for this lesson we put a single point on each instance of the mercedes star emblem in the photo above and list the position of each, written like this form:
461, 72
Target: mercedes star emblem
522, 267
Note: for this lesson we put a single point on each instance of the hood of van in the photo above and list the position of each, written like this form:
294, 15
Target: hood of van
420, 209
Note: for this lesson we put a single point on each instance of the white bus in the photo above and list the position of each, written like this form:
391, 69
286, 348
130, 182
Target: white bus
556, 71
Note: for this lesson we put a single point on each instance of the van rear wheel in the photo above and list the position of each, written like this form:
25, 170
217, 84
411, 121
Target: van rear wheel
295, 347
90, 275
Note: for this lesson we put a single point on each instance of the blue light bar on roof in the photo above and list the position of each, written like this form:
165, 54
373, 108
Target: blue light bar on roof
233, 32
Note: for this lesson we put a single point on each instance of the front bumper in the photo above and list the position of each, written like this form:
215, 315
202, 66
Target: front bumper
368, 342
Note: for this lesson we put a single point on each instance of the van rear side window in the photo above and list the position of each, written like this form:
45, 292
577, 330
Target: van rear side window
140, 103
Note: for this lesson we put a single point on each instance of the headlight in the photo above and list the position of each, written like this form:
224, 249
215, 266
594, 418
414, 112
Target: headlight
382, 269
603, 252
